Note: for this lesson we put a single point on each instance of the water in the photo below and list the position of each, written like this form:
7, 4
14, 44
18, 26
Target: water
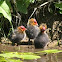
56, 57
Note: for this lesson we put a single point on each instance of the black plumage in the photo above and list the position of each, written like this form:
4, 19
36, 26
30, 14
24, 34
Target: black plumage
18, 35
42, 39
32, 29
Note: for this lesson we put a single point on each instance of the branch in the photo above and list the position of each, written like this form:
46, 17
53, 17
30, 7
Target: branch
37, 8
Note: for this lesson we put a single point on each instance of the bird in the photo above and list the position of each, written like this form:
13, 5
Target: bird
42, 39
17, 35
32, 29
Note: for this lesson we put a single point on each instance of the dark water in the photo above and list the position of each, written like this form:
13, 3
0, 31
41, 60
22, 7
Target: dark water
24, 48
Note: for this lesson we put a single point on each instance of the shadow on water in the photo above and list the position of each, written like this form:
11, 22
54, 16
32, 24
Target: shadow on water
56, 57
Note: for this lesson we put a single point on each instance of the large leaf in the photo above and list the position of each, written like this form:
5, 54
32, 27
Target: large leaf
27, 56
9, 55
51, 51
4, 9
22, 5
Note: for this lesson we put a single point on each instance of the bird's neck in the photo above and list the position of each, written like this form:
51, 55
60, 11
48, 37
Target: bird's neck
42, 32
21, 32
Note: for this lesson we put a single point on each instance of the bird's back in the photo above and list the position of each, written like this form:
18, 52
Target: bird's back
16, 37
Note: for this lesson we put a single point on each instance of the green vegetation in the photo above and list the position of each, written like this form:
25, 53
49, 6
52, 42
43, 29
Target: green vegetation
7, 57
22, 5
11, 56
8, 60
59, 6
4, 9
10, 11
50, 51
11, 8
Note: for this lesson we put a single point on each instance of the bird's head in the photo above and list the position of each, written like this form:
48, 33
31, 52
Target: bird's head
21, 29
32, 22
43, 27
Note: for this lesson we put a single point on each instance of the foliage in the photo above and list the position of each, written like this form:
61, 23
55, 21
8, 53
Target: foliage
22, 5
59, 6
18, 55
50, 51
11, 8
4, 9
8, 60
11, 56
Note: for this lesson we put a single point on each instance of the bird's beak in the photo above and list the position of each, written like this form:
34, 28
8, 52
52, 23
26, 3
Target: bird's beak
35, 23
24, 29
44, 28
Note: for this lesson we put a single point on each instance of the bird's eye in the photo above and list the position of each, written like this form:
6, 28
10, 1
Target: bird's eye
21, 27
35, 22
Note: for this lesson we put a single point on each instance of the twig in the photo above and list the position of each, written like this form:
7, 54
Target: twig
38, 7
33, 12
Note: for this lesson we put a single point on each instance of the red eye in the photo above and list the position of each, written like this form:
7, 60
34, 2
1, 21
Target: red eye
35, 21
21, 27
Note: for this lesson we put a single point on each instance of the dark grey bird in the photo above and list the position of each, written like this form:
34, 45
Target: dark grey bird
32, 29
42, 39
18, 35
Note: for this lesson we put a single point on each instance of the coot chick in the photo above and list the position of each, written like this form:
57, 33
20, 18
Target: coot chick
18, 35
32, 29
42, 39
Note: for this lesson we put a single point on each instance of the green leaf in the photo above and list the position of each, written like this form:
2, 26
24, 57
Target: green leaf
2, 59
60, 8
51, 51
60, 11
19, 55
58, 5
31, 1
4, 9
22, 5
29, 57
27, 53
9, 60
9, 55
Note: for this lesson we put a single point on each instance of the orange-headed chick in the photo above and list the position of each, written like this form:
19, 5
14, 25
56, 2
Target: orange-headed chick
42, 39
18, 35
32, 28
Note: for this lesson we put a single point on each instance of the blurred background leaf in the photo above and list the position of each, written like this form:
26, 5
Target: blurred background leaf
22, 5
59, 6
4, 9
